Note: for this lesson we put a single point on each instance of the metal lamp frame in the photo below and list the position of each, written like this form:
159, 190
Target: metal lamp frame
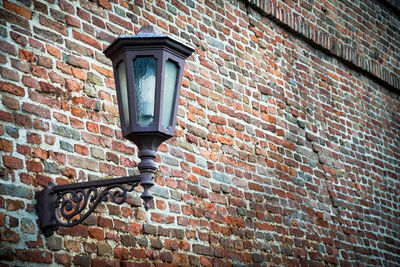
68, 205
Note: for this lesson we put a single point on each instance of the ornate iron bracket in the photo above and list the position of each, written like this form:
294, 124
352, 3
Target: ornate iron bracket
68, 205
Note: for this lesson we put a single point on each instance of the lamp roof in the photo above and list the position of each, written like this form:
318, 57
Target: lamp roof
148, 37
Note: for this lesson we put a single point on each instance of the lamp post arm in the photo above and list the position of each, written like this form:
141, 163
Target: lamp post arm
70, 204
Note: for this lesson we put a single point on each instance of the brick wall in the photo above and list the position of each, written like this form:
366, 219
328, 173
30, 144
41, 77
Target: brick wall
286, 152
363, 34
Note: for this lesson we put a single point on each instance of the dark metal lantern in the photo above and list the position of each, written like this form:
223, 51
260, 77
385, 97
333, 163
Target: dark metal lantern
148, 70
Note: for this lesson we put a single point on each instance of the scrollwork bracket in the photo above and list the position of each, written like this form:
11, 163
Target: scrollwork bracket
69, 205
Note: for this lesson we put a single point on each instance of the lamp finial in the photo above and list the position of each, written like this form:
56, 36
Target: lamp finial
149, 29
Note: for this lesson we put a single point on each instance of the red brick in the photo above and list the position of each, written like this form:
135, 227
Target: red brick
65, 6
53, 51
138, 253
63, 67
78, 62
13, 205
78, 112
112, 169
121, 253
63, 259
9, 74
35, 256
7, 47
78, 124
55, 78
41, 125
98, 22
45, 62
106, 72
106, 4
73, 21
92, 127
34, 166
22, 120
36, 44
49, 139
33, 138
83, 14
79, 230
5, 116
96, 233
30, 82
79, 74
40, 153
86, 39
24, 150
83, 150
122, 22
24, 12
69, 172
105, 222
73, 86
12, 162
60, 117
37, 110
48, 23
10, 102
26, 55
9, 235
12, 88
39, 72
106, 131
6, 145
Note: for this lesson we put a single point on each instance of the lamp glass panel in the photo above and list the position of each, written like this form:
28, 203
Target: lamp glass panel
123, 92
171, 71
145, 84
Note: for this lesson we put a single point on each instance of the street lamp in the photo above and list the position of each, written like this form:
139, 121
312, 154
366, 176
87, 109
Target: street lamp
148, 70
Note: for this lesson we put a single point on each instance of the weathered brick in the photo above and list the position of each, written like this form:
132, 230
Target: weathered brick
9, 235
78, 230
203, 250
53, 51
13, 205
73, 85
6, 145
12, 162
58, 27
34, 256
54, 243
65, 132
81, 260
9, 74
34, 109
12, 88
84, 163
22, 11
7, 47
121, 253
39, 72
20, 65
63, 259
86, 39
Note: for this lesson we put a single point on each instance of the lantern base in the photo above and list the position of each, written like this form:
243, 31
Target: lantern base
147, 168
148, 144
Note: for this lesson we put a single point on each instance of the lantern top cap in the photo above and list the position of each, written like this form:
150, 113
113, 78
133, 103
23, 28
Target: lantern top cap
148, 37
